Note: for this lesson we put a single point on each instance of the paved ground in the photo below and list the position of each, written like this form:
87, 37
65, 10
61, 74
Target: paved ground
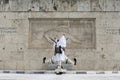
59, 77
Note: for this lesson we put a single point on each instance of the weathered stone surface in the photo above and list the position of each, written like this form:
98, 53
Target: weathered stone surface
83, 5
25, 28
117, 5
20, 65
109, 5
97, 5
10, 65
59, 5
35, 65
1, 65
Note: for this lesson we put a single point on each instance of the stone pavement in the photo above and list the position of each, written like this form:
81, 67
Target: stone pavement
50, 75
13, 76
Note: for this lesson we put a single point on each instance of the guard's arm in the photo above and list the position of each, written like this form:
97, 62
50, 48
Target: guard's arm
52, 39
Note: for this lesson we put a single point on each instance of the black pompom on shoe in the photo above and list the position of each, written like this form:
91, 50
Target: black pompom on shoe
44, 59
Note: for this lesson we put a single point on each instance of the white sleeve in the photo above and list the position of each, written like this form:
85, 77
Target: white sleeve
62, 41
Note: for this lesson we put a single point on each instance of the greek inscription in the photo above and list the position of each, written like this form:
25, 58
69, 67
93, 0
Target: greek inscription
113, 31
5, 30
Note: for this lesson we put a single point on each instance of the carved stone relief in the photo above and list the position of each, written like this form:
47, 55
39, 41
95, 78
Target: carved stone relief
80, 32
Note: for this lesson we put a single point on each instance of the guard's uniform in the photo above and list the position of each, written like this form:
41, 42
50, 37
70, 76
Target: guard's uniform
59, 50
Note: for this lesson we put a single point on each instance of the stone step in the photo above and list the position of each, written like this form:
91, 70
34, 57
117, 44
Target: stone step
53, 72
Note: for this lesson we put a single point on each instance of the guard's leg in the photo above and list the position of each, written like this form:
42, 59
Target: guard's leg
70, 61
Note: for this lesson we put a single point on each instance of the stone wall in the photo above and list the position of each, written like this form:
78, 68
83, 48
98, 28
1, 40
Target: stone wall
59, 5
18, 42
